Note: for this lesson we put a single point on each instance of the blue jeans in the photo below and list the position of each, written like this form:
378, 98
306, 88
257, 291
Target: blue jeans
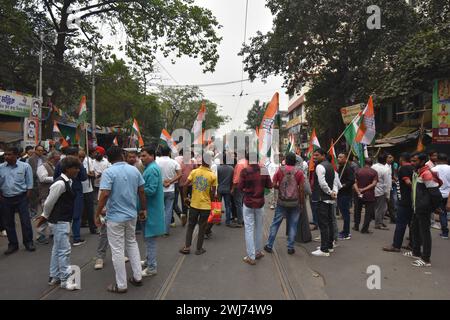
253, 220
239, 202
77, 211
292, 216
404, 215
150, 244
344, 207
60, 259
169, 198
227, 199
443, 217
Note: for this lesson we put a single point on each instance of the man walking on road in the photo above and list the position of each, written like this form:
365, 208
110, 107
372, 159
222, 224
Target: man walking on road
171, 173
404, 208
324, 191
16, 185
154, 225
252, 182
366, 179
238, 196
289, 180
225, 183
119, 189
382, 191
204, 183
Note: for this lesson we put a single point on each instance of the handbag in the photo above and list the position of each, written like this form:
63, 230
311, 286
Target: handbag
215, 216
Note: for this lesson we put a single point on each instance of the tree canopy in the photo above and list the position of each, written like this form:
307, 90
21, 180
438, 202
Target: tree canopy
255, 115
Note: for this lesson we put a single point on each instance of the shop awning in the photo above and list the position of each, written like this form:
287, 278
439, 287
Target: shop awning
10, 136
396, 136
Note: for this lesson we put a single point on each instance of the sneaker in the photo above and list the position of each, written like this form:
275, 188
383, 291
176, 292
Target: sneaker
291, 251
53, 281
272, 207
98, 264
320, 253
317, 239
173, 225
259, 255
436, 225
68, 286
42, 240
420, 263
77, 243
268, 249
147, 272
126, 259
444, 236
410, 254
329, 250
3, 234
342, 236
183, 219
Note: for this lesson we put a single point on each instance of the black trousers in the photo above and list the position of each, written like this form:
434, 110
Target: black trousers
184, 207
370, 213
88, 210
176, 207
10, 207
421, 233
325, 220
200, 217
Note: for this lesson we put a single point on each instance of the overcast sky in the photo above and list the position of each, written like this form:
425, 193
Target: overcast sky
231, 15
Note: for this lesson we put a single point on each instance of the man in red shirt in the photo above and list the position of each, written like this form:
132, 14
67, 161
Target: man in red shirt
366, 180
252, 182
290, 182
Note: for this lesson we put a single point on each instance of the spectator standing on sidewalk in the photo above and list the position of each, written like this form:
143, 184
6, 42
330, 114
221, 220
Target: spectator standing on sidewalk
252, 182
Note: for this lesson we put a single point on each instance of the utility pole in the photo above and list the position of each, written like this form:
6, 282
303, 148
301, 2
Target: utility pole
41, 99
94, 136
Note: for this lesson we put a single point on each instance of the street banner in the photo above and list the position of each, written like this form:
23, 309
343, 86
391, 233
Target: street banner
14, 104
441, 110
349, 113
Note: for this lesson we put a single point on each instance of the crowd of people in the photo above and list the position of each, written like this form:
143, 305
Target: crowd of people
119, 194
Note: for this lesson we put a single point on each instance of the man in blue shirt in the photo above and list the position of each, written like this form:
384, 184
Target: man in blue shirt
119, 189
16, 185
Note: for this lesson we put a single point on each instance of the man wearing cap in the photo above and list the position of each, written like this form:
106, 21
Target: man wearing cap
99, 166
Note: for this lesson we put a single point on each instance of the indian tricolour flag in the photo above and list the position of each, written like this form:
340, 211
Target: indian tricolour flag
291, 144
167, 139
333, 156
197, 128
115, 141
56, 132
313, 145
137, 132
82, 111
265, 131
366, 131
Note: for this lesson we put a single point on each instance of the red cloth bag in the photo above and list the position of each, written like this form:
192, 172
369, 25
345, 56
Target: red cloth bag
216, 212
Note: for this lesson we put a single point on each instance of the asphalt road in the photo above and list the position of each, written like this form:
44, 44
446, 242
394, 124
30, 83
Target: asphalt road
221, 274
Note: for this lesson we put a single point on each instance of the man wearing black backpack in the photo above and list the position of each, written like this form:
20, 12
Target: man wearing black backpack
289, 180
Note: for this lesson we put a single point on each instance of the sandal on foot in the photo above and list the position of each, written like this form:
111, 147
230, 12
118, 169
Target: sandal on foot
115, 289
184, 251
421, 263
134, 282
249, 260
199, 252
259, 255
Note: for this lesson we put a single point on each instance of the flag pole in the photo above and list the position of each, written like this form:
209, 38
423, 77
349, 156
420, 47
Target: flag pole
345, 165
87, 153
